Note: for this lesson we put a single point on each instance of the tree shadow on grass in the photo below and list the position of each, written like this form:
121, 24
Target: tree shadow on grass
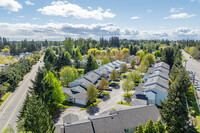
93, 110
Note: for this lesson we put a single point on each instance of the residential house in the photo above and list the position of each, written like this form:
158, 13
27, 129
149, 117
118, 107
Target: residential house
156, 84
130, 58
123, 120
78, 88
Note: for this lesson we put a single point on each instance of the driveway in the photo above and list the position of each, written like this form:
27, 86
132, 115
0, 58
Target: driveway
108, 102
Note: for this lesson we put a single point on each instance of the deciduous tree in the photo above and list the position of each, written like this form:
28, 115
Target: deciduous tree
67, 75
105, 60
114, 75
92, 93
124, 68
103, 84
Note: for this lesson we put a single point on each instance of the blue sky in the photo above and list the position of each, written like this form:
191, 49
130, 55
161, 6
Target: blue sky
131, 19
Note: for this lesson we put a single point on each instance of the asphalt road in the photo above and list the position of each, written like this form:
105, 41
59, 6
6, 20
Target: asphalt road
8, 114
192, 65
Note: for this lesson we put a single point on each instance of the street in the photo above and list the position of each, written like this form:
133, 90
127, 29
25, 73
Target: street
194, 66
9, 112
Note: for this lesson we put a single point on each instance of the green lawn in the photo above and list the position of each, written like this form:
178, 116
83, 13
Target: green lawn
124, 103
5, 97
91, 105
127, 95
105, 93
81, 71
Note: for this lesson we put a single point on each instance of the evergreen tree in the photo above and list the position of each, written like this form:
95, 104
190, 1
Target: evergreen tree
37, 87
91, 64
68, 45
139, 129
131, 49
174, 110
160, 128
168, 56
150, 127
34, 116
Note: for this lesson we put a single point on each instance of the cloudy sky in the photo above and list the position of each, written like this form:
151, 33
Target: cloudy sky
131, 19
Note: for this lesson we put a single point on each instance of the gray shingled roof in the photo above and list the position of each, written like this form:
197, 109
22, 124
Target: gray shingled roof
138, 102
77, 92
160, 74
70, 118
98, 71
155, 86
111, 65
92, 77
157, 80
116, 122
84, 81
82, 126
162, 64
108, 68
140, 87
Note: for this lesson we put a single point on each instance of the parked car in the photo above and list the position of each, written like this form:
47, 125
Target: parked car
198, 88
196, 83
109, 89
117, 80
112, 84
101, 95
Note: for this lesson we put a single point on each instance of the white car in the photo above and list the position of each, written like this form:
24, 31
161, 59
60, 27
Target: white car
196, 83
198, 88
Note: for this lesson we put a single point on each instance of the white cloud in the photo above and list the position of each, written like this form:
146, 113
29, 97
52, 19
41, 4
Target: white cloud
21, 16
11, 5
89, 7
175, 10
28, 2
65, 9
180, 16
58, 31
35, 18
135, 17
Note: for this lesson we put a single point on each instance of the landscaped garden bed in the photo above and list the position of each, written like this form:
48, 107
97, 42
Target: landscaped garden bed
91, 105
124, 103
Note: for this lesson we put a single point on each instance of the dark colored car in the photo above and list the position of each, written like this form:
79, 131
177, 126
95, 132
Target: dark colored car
117, 80
101, 95
112, 84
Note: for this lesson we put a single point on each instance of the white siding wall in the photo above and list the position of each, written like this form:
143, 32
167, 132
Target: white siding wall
160, 96
151, 97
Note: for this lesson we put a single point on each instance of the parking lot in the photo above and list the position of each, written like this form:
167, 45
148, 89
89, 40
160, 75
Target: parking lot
108, 102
